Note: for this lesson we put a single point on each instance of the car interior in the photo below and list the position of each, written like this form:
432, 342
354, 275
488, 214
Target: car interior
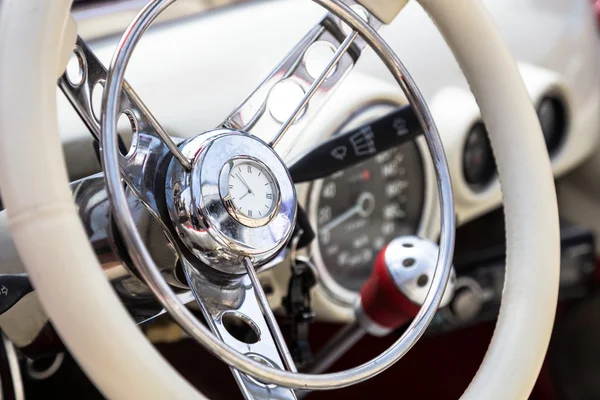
289, 199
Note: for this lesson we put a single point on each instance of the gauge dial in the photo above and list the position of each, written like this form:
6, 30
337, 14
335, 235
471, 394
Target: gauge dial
551, 113
252, 194
361, 209
479, 165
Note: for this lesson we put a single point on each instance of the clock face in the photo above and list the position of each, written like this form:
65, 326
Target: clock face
252, 191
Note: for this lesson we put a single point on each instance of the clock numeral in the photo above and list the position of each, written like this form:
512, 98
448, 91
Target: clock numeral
249, 213
249, 169
269, 196
230, 186
259, 213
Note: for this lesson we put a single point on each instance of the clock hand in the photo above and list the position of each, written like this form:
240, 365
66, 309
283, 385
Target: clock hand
244, 182
246, 194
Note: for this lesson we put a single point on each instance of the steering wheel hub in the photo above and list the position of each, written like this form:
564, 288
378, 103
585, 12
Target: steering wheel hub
236, 201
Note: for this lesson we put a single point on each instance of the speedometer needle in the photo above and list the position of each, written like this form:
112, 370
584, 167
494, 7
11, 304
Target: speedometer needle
365, 205
340, 219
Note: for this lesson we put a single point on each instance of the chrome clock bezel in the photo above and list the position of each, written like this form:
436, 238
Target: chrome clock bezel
226, 196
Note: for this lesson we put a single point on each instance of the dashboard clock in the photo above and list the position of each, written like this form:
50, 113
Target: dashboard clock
249, 191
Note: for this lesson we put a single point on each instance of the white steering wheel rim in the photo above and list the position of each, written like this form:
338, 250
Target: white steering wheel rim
86, 311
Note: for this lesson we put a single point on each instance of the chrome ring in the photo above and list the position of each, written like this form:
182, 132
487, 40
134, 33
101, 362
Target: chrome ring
179, 312
46, 373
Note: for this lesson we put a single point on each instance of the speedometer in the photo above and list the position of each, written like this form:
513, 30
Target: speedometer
359, 210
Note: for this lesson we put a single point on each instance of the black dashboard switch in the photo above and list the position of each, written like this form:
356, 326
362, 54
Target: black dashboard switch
479, 259
357, 145
303, 224
12, 288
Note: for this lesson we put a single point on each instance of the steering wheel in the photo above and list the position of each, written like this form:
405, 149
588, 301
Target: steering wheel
220, 244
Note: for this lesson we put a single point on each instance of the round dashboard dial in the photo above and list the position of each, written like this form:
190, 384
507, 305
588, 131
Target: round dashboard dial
361, 209
479, 165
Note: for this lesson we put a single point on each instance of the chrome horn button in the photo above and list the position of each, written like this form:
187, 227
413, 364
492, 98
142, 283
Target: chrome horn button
237, 201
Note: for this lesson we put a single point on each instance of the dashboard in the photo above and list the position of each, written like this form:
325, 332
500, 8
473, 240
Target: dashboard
192, 86
357, 211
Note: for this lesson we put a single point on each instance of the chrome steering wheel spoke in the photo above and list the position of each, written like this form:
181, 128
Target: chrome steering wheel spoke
150, 142
294, 92
236, 310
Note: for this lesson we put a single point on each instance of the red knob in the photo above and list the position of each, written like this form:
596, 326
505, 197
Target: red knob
398, 285
382, 301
